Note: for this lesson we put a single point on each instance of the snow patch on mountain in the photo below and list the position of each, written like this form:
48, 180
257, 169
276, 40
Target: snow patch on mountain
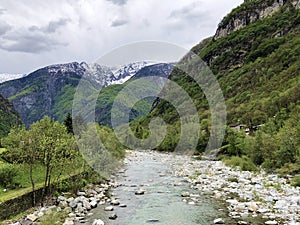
125, 72
8, 77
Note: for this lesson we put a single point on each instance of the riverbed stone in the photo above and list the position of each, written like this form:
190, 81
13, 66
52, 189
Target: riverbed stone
185, 194
93, 204
115, 202
113, 216
98, 222
109, 208
271, 222
219, 221
32, 217
140, 192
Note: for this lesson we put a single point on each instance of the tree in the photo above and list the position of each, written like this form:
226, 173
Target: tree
20, 149
68, 123
56, 148
47, 143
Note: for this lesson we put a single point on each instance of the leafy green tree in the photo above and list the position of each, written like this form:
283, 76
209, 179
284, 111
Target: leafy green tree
47, 143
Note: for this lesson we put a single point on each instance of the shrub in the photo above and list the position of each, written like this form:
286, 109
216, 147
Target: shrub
243, 163
296, 181
54, 218
7, 175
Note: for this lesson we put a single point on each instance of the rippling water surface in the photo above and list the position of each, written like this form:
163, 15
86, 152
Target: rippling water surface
162, 202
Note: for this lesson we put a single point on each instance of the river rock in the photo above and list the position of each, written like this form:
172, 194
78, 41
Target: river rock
109, 208
98, 222
68, 222
79, 208
25, 222
253, 207
63, 204
32, 217
219, 221
271, 222
61, 199
140, 192
113, 216
185, 194
73, 204
115, 202
93, 204
86, 205
81, 193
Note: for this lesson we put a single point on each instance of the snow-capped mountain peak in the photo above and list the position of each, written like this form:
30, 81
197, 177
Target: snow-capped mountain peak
125, 72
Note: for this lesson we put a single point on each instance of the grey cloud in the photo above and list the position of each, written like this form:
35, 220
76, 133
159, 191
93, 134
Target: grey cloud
190, 12
2, 11
51, 27
118, 2
29, 43
4, 28
118, 23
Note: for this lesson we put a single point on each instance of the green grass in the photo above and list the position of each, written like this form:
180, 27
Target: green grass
23, 179
17, 217
54, 218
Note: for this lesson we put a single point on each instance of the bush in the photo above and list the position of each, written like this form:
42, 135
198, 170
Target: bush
7, 175
53, 218
296, 181
243, 163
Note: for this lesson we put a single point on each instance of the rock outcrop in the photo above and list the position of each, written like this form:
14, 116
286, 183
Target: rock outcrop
246, 14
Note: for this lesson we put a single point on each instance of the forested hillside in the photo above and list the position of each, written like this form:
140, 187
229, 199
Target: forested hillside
9, 117
257, 62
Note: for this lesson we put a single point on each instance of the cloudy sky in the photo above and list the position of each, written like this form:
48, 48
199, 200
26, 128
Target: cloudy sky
36, 33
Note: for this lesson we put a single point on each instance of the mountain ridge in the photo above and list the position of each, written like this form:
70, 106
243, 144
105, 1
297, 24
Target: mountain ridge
50, 90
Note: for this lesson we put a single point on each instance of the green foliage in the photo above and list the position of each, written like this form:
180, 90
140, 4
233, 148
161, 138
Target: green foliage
296, 181
100, 148
244, 163
54, 218
9, 117
68, 123
46, 143
7, 175
257, 68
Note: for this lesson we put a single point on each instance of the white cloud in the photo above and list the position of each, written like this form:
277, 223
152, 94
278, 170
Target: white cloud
58, 31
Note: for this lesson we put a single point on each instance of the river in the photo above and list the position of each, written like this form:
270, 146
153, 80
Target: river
162, 202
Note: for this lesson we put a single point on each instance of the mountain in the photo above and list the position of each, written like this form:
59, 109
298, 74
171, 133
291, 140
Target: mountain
255, 56
159, 72
8, 77
50, 90
9, 117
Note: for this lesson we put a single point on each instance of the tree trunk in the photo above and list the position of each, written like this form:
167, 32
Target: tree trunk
32, 184
45, 184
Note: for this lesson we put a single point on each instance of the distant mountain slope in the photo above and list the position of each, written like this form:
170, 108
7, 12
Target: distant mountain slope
108, 94
50, 90
9, 117
257, 64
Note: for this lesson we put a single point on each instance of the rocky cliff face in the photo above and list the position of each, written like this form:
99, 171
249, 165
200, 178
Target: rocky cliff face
250, 12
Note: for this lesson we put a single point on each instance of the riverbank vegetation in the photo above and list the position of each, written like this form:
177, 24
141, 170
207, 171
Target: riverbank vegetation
47, 156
